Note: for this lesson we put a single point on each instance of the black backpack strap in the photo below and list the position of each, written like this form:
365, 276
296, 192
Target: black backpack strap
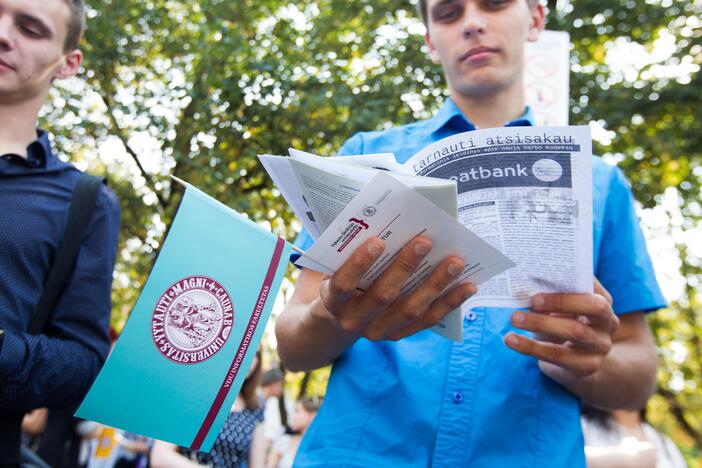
80, 213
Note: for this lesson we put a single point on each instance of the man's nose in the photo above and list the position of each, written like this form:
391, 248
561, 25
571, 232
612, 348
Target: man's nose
473, 20
6, 41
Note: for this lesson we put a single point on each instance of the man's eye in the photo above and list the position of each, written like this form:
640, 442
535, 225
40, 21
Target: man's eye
446, 14
30, 31
496, 3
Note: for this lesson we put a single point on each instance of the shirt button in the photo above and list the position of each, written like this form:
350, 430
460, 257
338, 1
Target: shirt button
471, 316
458, 398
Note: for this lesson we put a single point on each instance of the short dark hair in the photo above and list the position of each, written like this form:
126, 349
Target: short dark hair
248, 388
311, 403
424, 14
76, 24
272, 376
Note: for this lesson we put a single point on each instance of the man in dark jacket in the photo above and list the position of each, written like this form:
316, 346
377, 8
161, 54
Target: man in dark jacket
38, 44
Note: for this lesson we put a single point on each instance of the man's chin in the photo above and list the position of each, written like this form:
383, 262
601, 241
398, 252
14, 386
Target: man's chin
6, 94
13, 95
480, 88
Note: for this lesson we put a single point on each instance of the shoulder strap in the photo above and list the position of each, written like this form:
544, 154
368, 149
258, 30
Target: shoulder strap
79, 215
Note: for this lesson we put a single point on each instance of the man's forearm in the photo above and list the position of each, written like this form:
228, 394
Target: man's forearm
309, 337
626, 379
38, 371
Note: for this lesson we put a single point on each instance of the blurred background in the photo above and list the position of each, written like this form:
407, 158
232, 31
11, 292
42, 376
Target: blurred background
198, 88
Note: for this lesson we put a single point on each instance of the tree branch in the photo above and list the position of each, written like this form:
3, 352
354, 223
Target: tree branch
121, 135
679, 414
304, 384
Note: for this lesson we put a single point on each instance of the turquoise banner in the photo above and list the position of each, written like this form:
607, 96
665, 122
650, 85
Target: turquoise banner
187, 346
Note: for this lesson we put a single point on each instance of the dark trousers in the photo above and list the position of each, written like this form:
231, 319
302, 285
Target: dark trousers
10, 438
59, 445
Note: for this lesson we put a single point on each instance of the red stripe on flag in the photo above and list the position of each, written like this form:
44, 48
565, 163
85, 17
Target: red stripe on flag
243, 346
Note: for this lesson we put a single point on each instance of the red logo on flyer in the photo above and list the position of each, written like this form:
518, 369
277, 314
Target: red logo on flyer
348, 234
192, 320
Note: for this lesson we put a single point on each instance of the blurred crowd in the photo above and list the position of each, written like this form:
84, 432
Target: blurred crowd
263, 430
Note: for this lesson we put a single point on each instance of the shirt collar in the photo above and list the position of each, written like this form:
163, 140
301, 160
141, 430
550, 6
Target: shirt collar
38, 152
451, 114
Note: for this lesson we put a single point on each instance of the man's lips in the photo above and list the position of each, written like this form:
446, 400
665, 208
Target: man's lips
477, 53
4, 64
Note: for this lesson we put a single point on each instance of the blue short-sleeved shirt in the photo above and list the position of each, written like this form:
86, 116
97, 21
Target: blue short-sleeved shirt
426, 401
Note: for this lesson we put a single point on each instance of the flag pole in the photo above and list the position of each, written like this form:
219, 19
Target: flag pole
180, 181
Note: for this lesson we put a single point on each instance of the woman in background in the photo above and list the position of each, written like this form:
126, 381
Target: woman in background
284, 449
623, 439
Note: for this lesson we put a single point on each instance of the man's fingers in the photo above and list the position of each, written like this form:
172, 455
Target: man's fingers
593, 306
561, 329
577, 361
437, 311
411, 307
407, 261
385, 289
599, 289
341, 287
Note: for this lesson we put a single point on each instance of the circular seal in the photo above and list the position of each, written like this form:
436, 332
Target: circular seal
547, 170
370, 211
192, 320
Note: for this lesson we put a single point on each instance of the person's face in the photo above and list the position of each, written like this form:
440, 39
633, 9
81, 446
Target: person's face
480, 43
276, 389
301, 418
32, 55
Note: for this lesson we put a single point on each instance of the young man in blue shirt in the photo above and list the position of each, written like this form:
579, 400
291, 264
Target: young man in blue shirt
38, 44
402, 396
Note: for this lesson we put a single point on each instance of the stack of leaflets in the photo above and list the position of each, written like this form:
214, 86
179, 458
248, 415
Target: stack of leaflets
319, 188
344, 201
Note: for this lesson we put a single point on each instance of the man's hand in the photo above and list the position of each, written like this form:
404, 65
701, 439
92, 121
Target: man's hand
326, 315
379, 313
573, 333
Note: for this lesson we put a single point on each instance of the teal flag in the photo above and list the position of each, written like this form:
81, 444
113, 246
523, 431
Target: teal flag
188, 344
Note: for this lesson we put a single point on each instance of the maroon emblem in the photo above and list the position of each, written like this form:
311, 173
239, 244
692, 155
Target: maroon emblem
192, 320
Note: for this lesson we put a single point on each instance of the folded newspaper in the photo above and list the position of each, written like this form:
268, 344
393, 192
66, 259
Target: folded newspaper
526, 191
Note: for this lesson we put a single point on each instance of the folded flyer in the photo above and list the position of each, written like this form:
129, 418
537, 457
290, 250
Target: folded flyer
190, 339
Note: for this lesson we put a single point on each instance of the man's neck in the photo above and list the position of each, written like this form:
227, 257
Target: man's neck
628, 419
493, 110
18, 130
631, 422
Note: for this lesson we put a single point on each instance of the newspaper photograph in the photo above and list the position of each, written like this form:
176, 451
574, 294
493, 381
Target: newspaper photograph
527, 191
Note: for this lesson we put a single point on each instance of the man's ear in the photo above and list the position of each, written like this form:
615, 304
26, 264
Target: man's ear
538, 22
433, 54
70, 64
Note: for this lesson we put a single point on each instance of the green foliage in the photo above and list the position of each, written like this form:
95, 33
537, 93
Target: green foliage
197, 89
656, 119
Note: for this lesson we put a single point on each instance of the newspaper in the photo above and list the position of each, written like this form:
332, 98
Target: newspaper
528, 192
